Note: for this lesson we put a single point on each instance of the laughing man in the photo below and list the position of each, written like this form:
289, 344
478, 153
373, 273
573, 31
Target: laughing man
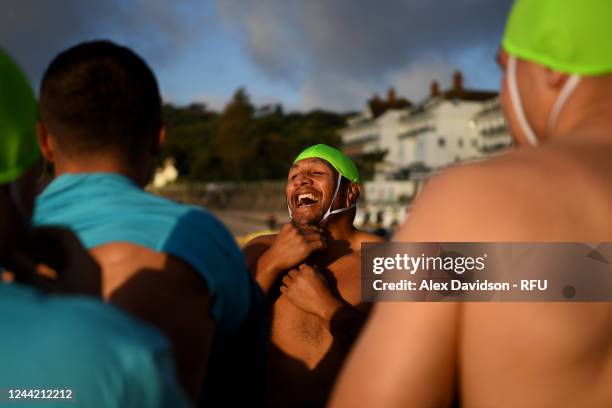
310, 272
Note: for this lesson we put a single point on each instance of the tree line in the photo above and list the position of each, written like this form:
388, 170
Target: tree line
243, 142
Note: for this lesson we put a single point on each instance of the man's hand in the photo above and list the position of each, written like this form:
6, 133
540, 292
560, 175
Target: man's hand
292, 245
309, 290
55, 261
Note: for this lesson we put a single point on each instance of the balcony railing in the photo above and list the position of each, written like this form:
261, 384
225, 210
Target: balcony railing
417, 131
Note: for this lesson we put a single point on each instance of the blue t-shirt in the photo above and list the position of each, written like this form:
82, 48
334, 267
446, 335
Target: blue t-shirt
105, 358
106, 207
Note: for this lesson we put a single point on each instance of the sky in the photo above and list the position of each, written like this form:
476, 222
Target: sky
304, 54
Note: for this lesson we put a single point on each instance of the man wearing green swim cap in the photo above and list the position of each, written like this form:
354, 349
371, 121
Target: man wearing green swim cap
20, 169
62, 341
310, 272
556, 185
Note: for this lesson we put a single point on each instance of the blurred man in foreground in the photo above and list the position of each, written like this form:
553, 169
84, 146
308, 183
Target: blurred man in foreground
556, 186
172, 265
66, 349
310, 272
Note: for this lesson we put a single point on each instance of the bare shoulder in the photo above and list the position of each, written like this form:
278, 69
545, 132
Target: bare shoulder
123, 262
352, 259
120, 252
255, 248
348, 267
363, 236
262, 240
351, 262
509, 197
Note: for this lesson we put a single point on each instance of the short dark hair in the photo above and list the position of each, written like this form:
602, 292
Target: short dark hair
100, 97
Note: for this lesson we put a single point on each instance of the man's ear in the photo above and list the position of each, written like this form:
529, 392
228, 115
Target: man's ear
45, 142
159, 142
353, 194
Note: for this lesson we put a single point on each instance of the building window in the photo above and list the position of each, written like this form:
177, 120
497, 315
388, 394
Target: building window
441, 142
475, 142
460, 142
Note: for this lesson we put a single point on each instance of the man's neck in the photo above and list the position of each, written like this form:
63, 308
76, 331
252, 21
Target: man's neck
98, 165
339, 234
339, 228
590, 129
586, 117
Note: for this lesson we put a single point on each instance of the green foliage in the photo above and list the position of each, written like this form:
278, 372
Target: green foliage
243, 142
190, 132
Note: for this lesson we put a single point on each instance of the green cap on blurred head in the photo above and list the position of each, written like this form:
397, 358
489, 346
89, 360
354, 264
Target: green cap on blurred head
570, 36
335, 157
18, 113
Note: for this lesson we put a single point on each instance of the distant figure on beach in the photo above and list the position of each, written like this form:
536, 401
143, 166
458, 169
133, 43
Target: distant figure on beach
366, 224
89, 354
272, 222
174, 266
556, 186
310, 272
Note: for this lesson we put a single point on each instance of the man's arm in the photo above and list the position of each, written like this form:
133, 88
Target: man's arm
267, 258
254, 249
166, 292
309, 290
405, 357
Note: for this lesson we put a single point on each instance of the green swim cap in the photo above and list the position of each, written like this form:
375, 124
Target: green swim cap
570, 36
18, 113
335, 157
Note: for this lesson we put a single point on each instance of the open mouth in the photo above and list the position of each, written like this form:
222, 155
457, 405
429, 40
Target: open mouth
306, 200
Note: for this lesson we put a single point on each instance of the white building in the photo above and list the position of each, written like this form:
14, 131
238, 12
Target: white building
361, 135
375, 130
166, 174
420, 139
489, 127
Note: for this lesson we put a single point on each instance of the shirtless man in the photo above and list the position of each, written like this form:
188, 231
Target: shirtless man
316, 312
557, 94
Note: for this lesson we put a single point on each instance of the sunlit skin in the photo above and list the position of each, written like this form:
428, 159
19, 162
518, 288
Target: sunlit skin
504, 354
311, 176
311, 274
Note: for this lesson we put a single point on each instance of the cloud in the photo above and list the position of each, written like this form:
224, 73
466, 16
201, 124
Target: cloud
335, 92
476, 63
335, 49
415, 80
33, 32
316, 53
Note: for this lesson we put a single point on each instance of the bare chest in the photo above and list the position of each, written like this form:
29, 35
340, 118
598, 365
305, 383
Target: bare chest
302, 335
